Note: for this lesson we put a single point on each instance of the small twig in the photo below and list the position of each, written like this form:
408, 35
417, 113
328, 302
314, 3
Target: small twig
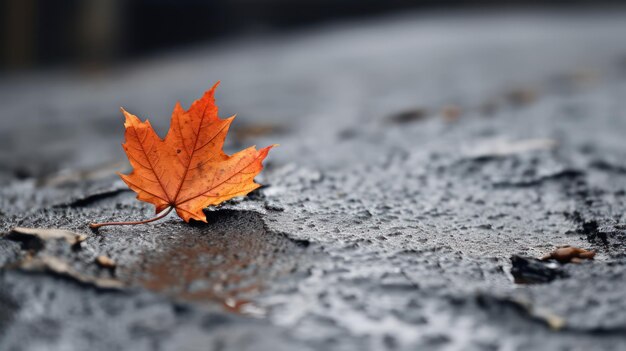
98, 225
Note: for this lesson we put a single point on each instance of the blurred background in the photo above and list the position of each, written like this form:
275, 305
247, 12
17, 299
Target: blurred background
92, 33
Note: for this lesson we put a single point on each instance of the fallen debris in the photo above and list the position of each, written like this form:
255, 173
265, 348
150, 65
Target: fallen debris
54, 265
521, 96
35, 238
408, 116
105, 262
252, 131
499, 147
451, 113
569, 254
526, 270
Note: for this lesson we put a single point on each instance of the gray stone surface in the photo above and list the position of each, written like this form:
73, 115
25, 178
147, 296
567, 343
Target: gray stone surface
418, 154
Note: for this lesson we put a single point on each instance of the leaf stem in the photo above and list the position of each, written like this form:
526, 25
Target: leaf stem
163, 214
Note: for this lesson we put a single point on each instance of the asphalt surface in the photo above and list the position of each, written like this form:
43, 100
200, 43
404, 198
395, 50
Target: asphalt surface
423, 158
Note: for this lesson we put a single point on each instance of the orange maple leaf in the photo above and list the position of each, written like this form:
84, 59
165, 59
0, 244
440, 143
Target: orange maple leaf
188, 170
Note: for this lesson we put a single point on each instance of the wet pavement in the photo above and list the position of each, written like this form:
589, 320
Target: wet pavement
426, 163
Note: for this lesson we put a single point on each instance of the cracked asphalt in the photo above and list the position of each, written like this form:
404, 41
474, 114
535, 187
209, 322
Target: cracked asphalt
420, 154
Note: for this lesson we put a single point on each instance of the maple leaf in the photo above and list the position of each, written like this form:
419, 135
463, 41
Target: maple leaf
188, 170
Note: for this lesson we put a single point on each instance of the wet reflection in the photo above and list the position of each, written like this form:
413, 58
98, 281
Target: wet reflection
228, 261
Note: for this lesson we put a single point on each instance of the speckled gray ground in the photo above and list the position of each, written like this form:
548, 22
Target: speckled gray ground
418, 154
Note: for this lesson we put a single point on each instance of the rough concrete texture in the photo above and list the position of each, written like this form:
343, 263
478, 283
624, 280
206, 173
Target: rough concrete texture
419, 154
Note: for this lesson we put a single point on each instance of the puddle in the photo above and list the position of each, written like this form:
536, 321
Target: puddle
228, 261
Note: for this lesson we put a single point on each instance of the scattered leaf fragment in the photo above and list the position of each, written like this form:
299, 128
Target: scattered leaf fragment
251, 131
54, 265
521, 96
409, 116
567, 254
451, 113
188, 170
35, 238
242, 306
552, 320
105, 262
